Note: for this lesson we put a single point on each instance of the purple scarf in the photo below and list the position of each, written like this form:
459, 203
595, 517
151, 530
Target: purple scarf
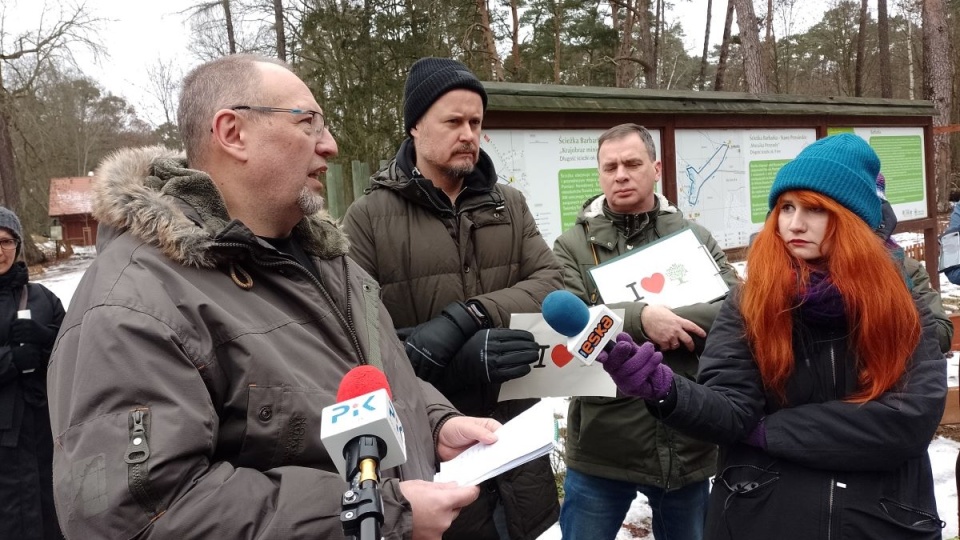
820, 300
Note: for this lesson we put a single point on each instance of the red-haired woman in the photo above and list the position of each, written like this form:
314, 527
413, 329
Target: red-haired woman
822, 379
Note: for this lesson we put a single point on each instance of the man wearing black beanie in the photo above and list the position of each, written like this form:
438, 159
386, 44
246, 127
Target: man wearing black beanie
456, 254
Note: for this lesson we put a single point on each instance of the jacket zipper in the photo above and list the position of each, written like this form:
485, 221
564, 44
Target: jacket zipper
833, 373
138, 451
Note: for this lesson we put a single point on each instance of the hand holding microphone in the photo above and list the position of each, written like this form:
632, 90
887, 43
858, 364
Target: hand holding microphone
637, 369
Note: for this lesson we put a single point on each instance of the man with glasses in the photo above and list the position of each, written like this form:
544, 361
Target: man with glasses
456, 254
214, 326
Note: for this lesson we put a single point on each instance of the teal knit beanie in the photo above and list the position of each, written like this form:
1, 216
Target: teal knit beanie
842, 167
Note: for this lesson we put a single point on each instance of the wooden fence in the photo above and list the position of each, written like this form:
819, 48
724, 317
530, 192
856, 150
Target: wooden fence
342, 188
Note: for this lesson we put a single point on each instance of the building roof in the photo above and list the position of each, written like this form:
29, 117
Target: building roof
556, 98
71, 195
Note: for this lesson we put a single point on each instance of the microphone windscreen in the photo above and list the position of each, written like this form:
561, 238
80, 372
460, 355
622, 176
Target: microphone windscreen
362, 380
565, 313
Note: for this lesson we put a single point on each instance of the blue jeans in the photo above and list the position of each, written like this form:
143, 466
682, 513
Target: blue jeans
594, 508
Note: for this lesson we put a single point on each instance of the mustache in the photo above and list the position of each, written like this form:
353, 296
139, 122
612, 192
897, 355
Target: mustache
467, 147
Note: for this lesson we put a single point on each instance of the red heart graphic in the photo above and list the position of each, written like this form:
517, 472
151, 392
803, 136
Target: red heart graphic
560, 356
653, 283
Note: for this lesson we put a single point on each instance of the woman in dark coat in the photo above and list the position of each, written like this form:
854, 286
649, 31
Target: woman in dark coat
30, 316
822, 379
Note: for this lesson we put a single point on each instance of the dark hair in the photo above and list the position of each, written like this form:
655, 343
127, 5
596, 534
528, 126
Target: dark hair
625, 130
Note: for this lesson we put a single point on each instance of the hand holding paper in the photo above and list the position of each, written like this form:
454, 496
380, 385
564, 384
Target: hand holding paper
528, 436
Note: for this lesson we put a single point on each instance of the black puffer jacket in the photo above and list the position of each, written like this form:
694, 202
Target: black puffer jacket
26, 444
831, 469
426, 254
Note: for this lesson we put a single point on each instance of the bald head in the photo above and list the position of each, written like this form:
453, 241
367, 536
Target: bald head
219, 84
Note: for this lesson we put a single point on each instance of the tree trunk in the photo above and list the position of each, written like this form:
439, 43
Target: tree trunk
516, 37
937, 78
557, 28
623, 76
883, 39
702, 78
9, 186
861, 50
281, 32
231, 39
647, 44
750, 46
769, 22
491, 44
724, 48
910, 73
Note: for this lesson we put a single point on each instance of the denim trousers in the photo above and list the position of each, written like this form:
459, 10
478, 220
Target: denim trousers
594, 508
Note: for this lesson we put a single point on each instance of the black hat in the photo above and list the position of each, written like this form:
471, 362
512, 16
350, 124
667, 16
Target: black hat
431, 78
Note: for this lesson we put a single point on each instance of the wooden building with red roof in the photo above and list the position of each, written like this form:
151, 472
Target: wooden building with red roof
71, 203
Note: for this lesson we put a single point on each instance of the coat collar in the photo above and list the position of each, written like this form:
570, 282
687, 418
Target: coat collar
153, 194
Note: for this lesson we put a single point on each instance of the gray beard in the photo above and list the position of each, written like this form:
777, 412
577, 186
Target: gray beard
310, 203
457, 172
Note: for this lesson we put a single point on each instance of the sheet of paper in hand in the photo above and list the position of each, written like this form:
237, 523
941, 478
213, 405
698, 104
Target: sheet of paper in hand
949, 250
676, 270
527, 436
557, 373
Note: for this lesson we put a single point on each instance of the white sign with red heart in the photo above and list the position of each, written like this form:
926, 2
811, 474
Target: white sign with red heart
676, 270
555, 374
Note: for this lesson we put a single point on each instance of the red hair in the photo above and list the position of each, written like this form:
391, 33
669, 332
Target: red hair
883, 320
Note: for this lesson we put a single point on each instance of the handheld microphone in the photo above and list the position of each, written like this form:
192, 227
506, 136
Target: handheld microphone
363, 435
589, 330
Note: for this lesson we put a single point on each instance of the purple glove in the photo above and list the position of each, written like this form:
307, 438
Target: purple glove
637, 369
758, 437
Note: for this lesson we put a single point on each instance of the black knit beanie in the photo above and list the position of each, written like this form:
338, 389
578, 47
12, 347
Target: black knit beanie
431, 78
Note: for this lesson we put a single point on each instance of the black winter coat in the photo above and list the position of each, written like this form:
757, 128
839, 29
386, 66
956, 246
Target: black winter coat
26, 444
832, 469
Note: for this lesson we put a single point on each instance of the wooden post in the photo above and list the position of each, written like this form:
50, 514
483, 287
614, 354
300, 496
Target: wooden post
335, 190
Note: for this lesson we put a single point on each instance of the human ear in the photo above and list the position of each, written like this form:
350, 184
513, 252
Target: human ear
228, 133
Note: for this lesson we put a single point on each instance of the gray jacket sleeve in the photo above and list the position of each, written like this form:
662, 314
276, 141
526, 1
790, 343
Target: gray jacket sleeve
125, 370
928, 296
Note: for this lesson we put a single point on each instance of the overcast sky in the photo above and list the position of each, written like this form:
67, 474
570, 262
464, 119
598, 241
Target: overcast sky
136, 33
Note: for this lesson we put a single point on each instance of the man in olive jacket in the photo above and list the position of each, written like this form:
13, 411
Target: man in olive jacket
456, 254
614, 447
216, 323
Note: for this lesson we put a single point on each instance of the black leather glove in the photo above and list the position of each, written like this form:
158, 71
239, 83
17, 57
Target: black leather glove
492, 356
434, 343
26, 357
30, 331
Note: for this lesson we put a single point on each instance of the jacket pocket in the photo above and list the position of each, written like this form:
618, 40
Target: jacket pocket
283, 427
888, 518
137, 458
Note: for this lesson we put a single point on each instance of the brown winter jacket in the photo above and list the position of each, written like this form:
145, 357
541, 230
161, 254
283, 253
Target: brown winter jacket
426, 254
223, 351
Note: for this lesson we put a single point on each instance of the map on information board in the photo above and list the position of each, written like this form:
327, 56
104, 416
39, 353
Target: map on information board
724, 176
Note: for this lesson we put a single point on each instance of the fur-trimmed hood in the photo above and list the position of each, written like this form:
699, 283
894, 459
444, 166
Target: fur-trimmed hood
151, 193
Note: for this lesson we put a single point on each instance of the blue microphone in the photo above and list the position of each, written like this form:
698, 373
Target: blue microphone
590, 330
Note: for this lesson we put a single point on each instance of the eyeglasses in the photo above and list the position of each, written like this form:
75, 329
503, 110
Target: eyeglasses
316, 117
9, 244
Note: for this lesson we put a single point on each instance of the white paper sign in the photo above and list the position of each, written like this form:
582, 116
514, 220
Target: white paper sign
675, 271
949, 250
558, 373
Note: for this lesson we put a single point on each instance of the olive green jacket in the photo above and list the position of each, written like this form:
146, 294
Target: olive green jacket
616, 437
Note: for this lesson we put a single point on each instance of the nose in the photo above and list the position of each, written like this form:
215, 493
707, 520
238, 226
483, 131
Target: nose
326, 145
797, 221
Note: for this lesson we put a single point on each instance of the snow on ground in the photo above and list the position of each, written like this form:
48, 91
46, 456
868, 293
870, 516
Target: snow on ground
63, 278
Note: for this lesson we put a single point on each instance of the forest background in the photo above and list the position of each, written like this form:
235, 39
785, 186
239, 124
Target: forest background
57, 120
